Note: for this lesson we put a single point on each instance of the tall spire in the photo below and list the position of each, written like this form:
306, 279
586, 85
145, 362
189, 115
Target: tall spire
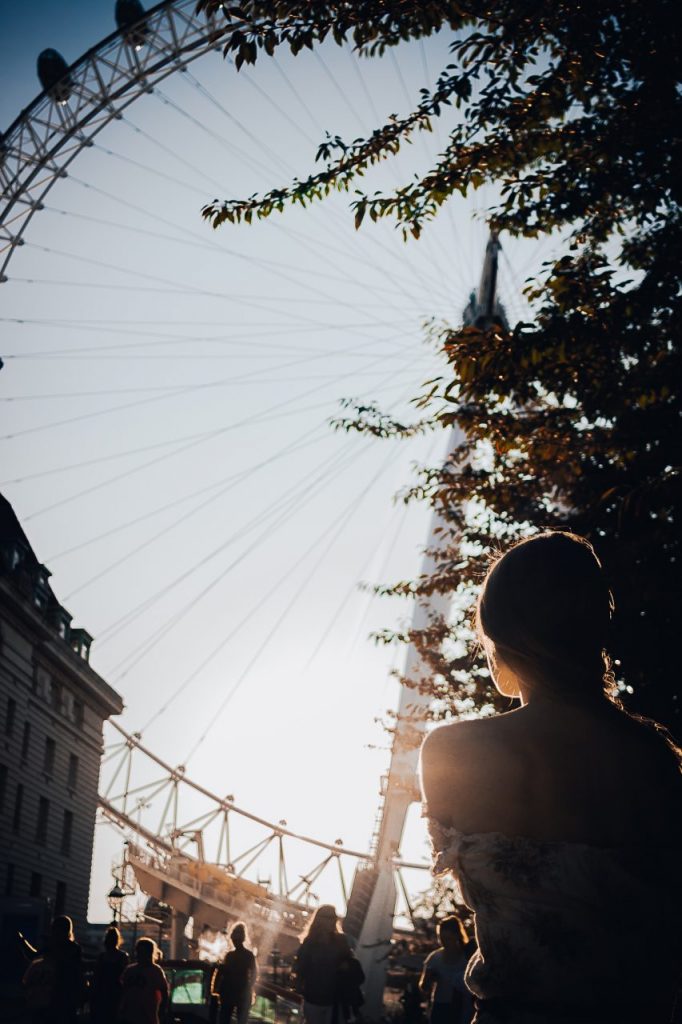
484, 308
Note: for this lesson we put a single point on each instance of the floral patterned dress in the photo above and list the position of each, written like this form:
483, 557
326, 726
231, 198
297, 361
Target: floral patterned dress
567, 932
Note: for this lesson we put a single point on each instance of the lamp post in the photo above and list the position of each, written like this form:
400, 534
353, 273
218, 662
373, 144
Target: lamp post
115, 898
275, 957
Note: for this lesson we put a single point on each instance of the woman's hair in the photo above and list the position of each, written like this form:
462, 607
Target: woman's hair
145, 951
322, 925
453, 925
238, 934
545, 611
62, 928
112, 938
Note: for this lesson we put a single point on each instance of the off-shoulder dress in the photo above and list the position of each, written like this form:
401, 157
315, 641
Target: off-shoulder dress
566, 931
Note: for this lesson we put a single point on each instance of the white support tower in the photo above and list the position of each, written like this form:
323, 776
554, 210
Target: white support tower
372, 903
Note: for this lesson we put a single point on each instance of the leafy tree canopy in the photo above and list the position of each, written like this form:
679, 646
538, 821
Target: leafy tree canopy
572, 111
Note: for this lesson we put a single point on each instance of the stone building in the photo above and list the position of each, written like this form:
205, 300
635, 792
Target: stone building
52, 707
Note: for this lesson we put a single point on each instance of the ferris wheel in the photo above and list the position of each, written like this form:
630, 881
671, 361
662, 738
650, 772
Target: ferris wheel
185, 426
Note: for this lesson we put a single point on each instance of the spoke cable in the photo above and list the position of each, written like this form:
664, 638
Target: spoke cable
296, 504
229, 484
338, 525
210, 246
291, 502
177, 392
303, 240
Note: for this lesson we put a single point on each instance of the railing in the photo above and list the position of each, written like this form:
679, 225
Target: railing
266, 907
276, 1005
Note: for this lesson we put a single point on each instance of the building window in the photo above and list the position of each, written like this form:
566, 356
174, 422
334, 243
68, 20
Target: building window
80, 642
26, 741
43, 685
68, 705
67, 829
12, 556
9, 879
73, 771
78, 712
48, 759
36, 884
60, 898
3, 785
43, 817
10, 716
18, 801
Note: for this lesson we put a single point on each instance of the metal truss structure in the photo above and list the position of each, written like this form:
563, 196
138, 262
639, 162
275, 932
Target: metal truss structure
46, 138
201, 865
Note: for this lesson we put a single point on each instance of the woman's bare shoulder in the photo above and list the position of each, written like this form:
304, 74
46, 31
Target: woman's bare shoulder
454, 741
455, 765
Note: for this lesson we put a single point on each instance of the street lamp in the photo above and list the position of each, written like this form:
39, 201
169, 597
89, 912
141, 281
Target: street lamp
276, 960
115, 898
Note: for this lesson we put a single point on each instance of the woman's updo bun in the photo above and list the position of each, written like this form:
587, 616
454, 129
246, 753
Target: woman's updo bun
545, 608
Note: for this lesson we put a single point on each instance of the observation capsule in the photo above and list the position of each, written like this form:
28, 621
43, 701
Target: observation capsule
53, 72
129, 15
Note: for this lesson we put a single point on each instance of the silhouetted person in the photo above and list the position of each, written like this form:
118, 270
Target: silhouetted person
236, 978
144, 995
562, 819
411, 999
442, 980
105, 993
54, 981
327, 974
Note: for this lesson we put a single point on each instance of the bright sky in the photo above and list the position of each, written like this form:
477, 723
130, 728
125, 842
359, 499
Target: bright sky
168, 392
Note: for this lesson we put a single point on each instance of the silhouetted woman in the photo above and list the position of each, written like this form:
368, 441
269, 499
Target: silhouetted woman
561, 819
144, 996
322, 966
106, 989
236, 978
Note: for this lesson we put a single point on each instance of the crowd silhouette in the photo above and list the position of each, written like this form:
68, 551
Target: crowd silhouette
119, 992
325, 972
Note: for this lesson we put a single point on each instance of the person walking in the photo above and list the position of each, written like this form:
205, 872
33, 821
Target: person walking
237, 977
327, 974
561, 819
442, 980
106, 989
144, 989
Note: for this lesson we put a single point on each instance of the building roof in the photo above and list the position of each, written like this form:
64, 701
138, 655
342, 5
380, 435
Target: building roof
27, 580
11, 530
